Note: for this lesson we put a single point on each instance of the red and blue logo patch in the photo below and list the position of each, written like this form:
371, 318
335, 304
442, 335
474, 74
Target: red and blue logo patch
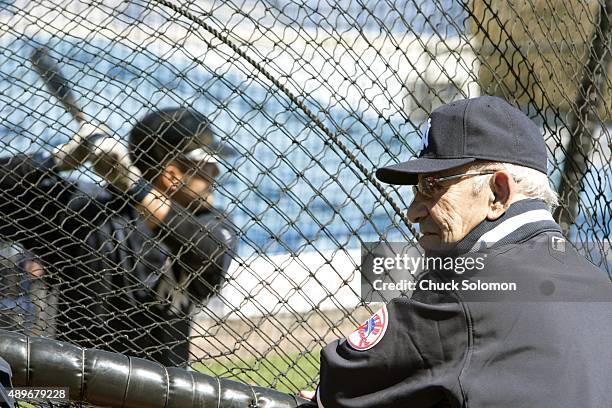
371, 332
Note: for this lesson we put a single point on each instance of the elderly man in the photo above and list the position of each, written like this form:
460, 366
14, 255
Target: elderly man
481, 190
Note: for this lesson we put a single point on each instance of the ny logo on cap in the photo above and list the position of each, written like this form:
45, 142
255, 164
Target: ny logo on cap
425, 137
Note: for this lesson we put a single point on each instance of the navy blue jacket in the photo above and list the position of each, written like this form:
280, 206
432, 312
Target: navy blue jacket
546, 344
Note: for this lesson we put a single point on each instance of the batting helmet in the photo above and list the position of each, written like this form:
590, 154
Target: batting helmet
167, 135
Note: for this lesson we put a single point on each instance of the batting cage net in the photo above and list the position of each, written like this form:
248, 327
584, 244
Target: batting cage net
237, 253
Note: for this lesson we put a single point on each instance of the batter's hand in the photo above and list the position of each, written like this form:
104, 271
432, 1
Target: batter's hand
308, 394
77, 150
112, 162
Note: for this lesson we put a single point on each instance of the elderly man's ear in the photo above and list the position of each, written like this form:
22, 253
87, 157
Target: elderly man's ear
503, 192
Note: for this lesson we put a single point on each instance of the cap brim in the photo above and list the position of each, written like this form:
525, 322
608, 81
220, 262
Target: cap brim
407, 173
222, 149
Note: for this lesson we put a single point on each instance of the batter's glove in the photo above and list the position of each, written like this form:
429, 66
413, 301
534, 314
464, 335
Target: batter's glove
77, 150
112, 162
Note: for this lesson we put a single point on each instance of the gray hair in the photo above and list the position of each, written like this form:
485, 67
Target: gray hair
531, 182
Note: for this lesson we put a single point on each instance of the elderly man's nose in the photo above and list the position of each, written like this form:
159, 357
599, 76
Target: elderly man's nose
417, 210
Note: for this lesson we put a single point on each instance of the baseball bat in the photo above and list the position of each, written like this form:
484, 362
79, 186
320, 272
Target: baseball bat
50, 72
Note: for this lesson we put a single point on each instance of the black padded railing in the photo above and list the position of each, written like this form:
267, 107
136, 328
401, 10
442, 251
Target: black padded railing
109, 379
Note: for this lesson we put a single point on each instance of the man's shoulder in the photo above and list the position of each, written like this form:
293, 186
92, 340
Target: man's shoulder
409, 325
93, 205
547, 249
548, 267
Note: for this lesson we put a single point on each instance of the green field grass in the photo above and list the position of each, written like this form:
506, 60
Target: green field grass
286, 373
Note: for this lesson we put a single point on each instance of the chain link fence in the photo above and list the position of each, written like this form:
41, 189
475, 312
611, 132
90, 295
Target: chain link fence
305, 100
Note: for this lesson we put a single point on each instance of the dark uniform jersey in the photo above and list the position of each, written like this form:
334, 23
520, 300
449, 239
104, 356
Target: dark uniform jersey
546, 344
121, 286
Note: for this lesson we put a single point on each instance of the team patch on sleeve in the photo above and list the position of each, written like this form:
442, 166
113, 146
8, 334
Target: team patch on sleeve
371, 332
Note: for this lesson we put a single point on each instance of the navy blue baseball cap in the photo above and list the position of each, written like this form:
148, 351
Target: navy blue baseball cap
461, 132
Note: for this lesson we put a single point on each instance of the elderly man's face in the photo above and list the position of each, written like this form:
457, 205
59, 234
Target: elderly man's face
451, 213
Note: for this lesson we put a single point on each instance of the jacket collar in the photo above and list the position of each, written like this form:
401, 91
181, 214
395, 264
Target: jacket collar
522, 220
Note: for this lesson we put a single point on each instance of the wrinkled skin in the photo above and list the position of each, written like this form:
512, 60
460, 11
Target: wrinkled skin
454, 211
